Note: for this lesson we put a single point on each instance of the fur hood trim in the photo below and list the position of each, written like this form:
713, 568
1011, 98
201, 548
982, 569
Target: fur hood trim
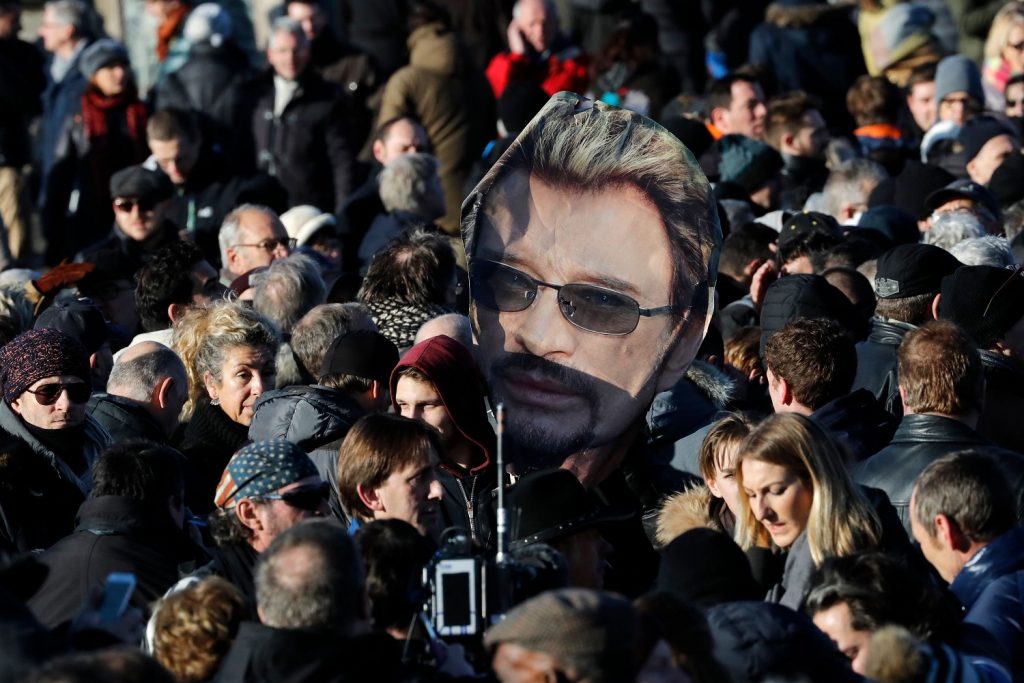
718, 387
690, 509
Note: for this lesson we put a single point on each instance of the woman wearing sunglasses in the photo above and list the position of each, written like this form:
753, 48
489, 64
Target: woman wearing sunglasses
797, 497
228, 350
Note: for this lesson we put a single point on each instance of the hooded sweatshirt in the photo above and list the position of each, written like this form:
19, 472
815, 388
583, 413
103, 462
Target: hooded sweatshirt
458, 381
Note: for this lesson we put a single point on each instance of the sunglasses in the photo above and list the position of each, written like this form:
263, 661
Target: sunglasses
48, 394
273, 243
1015, 273
502, 288
126, 205
308, 498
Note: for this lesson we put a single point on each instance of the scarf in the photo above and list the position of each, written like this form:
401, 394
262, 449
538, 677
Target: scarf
97, 109
169, 30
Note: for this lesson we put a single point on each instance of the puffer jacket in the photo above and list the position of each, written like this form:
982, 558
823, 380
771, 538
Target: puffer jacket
991, 588
124, 419
452, 99
920, 440
314, 418
877, 362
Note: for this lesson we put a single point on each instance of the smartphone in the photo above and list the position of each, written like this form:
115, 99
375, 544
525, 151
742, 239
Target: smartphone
116, 593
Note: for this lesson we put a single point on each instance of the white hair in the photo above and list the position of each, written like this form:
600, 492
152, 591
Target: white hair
287, 25
990, 250
549, 5
409, 183
952, 227
850, 183
228, 235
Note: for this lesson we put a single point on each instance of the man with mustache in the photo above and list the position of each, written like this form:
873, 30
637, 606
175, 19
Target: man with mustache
593, 249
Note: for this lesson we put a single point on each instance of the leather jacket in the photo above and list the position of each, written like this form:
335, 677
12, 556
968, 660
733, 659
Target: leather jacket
920, 440
877, 362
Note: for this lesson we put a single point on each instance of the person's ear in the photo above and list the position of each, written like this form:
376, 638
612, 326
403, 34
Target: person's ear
370, 498
713, 487
378, 151
16, 406
935, 305
162, 392
950, 535
970, 167
212, 390
248, 515
787, 140
93, 361
175, 311
718, 116
903, 399
785, 391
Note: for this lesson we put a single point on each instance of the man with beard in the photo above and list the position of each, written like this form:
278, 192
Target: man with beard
576, 332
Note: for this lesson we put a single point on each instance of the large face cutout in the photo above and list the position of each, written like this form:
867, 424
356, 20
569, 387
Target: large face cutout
578, 306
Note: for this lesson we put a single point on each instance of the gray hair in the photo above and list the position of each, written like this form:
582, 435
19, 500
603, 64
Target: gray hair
989, 250
311, 577
549, 5
288, 289
73, 13
952, 227
287, 25
851, 183
1013, 220
137, 377
454, 325
410, 183
315, 332
228, 235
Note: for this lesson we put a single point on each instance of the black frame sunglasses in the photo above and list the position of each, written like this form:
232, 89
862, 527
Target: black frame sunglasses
505, 289
47, 394
308, 498
126, 205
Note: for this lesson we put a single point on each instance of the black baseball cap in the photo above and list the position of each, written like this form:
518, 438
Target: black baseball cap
912, 269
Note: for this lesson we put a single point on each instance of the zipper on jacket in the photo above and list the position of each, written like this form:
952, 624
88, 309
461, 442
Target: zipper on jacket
470, 512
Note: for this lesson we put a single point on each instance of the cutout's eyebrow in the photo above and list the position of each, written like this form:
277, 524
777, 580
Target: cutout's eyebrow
600, 280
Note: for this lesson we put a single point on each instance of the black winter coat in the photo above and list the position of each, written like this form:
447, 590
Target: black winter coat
21, 86
858, 421
208, 442
314, 418
113, 534
919, 441
307, 148
877, 362
124, 419
1004, 401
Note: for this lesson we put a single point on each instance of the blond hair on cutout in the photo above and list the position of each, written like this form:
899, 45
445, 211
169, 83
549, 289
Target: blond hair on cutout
841, 521
1009, 15
204, 335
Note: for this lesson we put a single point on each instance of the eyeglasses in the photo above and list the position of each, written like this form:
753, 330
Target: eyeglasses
126, 205
1017, 272
273, 243
595, 309
306, 498
48, 394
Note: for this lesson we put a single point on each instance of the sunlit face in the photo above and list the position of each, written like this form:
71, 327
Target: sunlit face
812, 137
55, 34
1013, 53
586, 556
288, 55
175, 157
990, 157
245, 374
254, 231
568, 390
309, 16
413, 494
537, 24
419, 400
747, 110
934, 548
779, 499
403, 137
112, 80
921, 103
278, 516
724, 484
61, 414
138, 219
836, 623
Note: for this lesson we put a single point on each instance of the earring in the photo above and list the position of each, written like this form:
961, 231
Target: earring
214, 401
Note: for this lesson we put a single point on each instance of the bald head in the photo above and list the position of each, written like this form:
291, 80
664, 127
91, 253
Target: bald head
151, 374
454, 325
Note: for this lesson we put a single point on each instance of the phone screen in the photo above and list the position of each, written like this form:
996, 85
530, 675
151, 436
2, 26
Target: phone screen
116, 593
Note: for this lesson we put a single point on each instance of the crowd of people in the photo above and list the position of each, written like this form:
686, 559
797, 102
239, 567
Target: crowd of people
516, 340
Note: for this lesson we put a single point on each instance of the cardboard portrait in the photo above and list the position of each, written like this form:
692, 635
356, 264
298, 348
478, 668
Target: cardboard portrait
592, 246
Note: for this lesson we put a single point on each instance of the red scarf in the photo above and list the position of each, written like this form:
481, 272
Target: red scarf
108, 149
169, 30
96, 107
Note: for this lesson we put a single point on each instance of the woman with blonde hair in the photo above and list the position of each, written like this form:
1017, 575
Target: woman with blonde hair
228, 350
798, 496
1004, 53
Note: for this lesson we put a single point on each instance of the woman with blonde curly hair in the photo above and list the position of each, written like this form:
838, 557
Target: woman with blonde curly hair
194, 628
798, 496
228, 350
1004, 53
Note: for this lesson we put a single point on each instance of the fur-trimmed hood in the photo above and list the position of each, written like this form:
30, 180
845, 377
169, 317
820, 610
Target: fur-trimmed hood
693, 402
790, 14
717, 386
683, 511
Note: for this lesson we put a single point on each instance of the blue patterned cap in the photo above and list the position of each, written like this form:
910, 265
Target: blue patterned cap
260, 468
